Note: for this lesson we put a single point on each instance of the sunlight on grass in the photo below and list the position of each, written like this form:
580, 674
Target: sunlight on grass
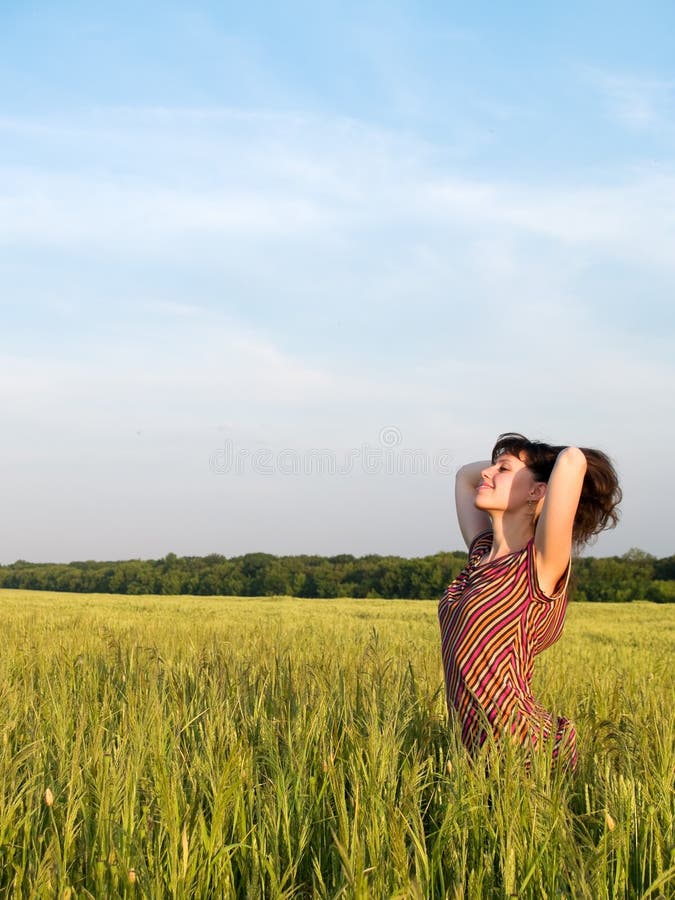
220, 747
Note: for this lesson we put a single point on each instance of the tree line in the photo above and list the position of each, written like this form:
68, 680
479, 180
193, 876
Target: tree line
634, 576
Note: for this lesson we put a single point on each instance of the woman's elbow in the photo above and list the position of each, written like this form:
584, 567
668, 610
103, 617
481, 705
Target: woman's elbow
573, 457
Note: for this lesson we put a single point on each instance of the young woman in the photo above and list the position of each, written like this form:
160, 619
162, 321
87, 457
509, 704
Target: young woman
520, 514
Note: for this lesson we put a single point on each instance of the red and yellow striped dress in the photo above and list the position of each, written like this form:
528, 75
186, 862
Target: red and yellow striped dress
495, 620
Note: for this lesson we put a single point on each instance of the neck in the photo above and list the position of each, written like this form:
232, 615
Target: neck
509, 534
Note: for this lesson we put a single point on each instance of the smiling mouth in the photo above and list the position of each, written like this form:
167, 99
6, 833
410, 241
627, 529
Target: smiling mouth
483, 487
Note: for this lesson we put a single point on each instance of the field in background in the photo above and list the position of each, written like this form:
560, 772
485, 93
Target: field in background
208, 747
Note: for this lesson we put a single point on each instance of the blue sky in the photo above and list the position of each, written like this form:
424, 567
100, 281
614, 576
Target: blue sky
379, 231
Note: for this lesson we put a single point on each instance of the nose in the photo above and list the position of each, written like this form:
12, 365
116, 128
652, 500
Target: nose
485, 474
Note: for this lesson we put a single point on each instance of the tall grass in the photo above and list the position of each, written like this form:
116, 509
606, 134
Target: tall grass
278, 748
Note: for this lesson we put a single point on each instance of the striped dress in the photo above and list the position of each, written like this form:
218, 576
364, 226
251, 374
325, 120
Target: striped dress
495, 620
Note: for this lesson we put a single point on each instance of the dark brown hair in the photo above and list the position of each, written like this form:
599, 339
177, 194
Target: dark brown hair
600, 494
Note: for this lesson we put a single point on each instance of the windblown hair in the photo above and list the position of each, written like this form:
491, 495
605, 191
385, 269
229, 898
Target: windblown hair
600, 494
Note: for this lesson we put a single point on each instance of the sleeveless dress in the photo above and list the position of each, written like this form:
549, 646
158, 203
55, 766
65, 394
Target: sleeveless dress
495, 620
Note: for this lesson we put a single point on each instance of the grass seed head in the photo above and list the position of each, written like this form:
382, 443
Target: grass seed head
49, 797
609, 821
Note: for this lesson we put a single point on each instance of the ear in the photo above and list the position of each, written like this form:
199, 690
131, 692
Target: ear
538, 491
537, 494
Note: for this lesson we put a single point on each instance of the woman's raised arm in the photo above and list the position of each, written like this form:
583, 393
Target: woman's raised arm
471, 520
553, 533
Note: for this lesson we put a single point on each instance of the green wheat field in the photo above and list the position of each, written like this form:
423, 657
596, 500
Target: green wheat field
196, 747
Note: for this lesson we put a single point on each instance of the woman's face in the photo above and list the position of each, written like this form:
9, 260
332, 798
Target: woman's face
505, 485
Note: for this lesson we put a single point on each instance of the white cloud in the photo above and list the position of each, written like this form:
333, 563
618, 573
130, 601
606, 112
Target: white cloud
187, 382
260, 178
636, 102
633, 217
86, 211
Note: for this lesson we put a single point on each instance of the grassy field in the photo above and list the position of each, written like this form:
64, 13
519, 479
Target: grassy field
208, 747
